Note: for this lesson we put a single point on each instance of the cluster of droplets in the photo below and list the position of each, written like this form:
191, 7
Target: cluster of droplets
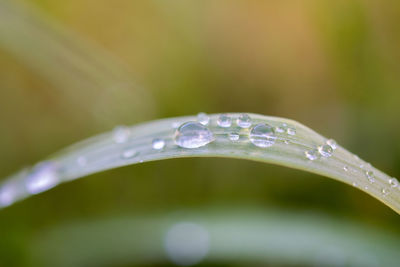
195, 134
191, 135
325, 150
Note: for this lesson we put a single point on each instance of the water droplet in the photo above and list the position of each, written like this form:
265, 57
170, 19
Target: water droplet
158, 143
82, 161
43, 177
346, 168
311, 154
325, 150
385, 191
244, 121
193, 135
291, 131
234, 136
129, 153
8, 194
121, 134
203, 118
263, 135
286, 141
175, 124
370, 176
224, 121
354, 184
282, 128
393, 182
332, 143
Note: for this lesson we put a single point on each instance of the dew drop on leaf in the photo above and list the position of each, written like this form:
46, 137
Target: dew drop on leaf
244, 121
263, 135
193, 135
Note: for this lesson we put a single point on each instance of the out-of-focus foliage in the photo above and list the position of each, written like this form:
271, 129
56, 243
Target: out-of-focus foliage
332, 65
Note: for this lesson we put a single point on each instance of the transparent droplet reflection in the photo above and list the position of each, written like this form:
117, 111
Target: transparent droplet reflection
193, 135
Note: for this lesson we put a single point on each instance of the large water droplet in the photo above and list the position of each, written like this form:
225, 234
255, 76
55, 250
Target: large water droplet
158, 143
203, 118
43, 177
224, 121
370, 176
325, 150
234, 136
193, 135
121, 134
263, 135
312, 154
332, 143
393, 182
244, 121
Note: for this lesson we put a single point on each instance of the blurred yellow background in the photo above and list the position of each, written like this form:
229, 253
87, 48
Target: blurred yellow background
72, 69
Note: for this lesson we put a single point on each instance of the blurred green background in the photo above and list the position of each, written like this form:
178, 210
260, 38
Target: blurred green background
72, 69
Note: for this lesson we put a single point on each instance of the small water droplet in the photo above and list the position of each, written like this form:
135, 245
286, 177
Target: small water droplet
129, 153
158, 143
43, 177
291, 131
8, 194
346, 168
193, 135
234, 136
175, 124
203, 118
224, 121
244, 121
332, 143
370, 176
286, 141
366, 187
393, 182
121, 134
311, 154
263, 135
354, 184
325, 150
282, 128
82, 161
385, 191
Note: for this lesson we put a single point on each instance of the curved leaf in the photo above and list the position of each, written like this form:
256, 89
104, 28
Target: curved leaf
131, 145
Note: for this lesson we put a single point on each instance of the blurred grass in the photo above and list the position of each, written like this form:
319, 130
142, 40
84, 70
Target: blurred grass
332, 65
